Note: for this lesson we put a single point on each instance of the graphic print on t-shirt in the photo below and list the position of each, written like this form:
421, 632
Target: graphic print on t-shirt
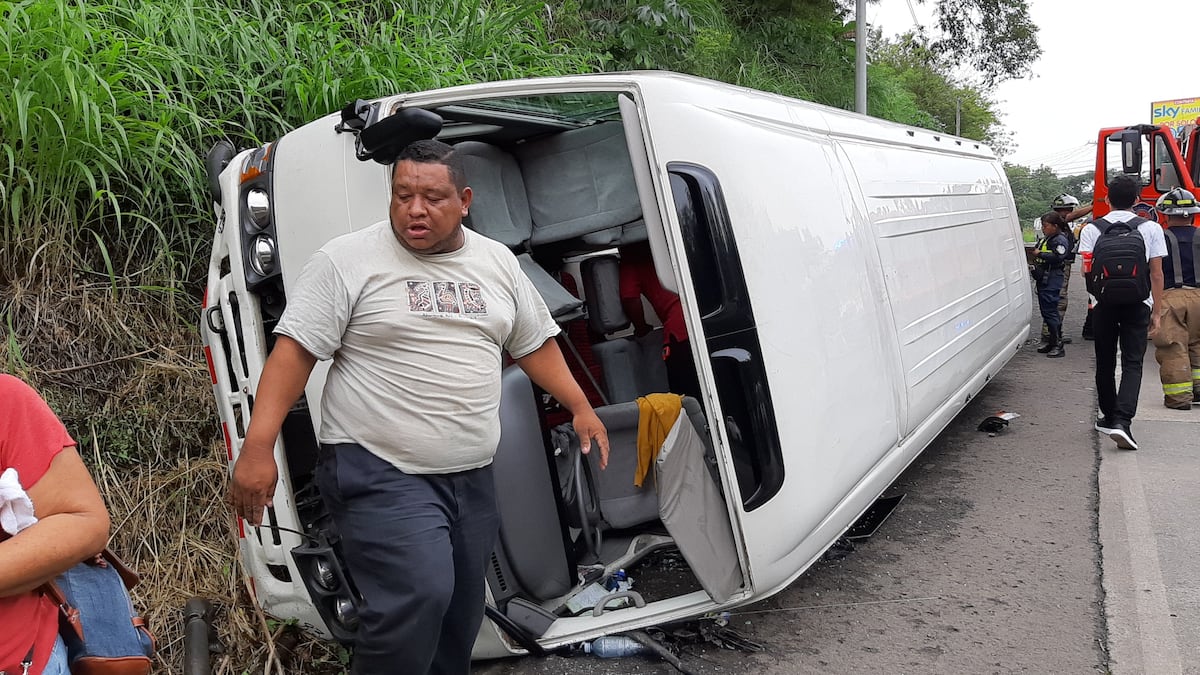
420, 296
445, 297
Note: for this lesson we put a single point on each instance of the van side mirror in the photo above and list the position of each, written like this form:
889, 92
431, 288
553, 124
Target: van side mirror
1131, 152
384, 139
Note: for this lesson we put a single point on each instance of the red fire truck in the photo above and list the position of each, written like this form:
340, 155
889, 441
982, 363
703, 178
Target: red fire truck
1164, 159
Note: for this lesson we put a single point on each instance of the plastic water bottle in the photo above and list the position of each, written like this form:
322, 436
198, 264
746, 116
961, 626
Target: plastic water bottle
614, 646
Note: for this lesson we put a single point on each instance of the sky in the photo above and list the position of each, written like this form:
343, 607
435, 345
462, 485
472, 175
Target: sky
1054, 115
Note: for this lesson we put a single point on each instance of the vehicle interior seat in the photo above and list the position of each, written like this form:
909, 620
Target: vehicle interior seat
500, 211
581, 186
530, 558
621, 504
632, 366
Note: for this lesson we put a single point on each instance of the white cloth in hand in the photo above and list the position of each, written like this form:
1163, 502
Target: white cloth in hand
16, 511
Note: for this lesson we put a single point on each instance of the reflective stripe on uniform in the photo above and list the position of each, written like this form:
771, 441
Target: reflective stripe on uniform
1196, 374
1172, 389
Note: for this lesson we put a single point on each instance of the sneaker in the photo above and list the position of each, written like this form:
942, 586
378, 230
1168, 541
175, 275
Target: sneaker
1066, 339
1105, 425
1123, 437
1045, 348
1057, 353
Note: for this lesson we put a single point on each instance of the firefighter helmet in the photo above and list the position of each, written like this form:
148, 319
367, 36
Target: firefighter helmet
1178, 202
1064, 201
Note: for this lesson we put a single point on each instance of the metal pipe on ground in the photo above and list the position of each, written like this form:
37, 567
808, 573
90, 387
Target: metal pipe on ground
196, 630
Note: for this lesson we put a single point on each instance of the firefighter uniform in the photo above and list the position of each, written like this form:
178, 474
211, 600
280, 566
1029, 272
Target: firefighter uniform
1177, 340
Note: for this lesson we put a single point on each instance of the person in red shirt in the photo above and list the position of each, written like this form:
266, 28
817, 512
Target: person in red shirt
72, 525
638, 278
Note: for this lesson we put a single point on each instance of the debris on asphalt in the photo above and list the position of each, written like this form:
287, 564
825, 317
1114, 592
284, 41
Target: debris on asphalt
996, 423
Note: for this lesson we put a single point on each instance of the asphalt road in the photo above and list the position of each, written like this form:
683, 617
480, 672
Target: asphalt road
991, 564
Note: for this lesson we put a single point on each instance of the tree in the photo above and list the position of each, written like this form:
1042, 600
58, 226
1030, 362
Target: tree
995, 37
950, 103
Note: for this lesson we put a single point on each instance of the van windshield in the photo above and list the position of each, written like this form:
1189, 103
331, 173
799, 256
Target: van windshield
581, 108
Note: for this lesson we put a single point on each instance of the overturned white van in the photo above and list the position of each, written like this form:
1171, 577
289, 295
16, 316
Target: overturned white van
848, 285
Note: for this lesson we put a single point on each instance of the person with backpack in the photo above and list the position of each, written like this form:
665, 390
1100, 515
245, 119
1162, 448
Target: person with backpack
1048, 271
1177, 342
1126, 278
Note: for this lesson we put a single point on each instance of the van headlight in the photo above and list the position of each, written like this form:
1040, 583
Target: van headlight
346, 613
258, 207
323, 574
263, 259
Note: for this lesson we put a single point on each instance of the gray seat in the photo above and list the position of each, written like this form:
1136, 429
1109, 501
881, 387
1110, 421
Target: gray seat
580, 184
530, 558
632, 366
500, 211
621, 503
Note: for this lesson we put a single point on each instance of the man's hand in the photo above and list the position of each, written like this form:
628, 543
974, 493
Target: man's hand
253, 485
1155, 321
588, 426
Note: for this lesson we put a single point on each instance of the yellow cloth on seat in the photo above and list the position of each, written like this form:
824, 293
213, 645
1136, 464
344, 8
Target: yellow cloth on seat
656, 415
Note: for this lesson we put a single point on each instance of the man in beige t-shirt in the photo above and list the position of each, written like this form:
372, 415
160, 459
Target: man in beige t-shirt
415, 314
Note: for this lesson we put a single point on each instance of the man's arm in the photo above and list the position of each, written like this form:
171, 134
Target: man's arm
255, 473
72, 525
1078, 213
547, 368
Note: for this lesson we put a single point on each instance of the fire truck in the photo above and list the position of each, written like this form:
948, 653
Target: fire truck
1162, 158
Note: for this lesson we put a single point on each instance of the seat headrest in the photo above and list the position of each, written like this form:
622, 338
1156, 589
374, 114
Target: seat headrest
602, 293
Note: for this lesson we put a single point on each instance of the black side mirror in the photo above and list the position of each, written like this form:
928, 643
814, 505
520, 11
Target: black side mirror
383, 140
1131, 151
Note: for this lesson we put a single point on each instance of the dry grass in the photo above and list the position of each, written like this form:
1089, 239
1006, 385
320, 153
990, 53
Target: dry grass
127, 376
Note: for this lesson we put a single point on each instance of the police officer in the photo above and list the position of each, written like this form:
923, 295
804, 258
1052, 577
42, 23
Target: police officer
1177, 342
1047, 271
1068, 207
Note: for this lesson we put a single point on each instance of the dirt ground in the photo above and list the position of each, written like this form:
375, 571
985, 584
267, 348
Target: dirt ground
989, 565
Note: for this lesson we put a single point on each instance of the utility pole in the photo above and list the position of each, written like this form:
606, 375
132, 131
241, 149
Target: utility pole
860, 57
958, 117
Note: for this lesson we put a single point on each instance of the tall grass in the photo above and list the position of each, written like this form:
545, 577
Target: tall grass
111, 105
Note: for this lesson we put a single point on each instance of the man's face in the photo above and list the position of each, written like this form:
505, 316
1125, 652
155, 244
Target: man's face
426, 208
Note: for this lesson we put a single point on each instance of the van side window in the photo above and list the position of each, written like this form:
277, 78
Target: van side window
731, 335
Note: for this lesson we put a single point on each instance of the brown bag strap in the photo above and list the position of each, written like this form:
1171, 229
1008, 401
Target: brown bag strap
68, 615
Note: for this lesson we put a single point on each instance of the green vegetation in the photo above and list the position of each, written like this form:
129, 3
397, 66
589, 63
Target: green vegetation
1035, 189
105, 221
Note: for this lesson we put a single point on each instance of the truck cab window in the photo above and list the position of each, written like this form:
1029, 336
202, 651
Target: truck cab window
1166, 173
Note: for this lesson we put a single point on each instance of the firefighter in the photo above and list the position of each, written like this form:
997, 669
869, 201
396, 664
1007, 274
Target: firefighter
1177, 342
1048, 271
1068, 207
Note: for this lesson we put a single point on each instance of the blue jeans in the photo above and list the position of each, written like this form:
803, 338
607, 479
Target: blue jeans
417, 546
58, 660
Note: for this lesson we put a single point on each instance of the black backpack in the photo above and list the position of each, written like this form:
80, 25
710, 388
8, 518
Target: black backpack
1120, 272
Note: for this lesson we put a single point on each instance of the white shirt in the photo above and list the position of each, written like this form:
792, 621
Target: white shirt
416, 344
1152, 234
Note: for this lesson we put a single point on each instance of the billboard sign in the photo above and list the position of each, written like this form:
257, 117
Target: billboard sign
1175, 113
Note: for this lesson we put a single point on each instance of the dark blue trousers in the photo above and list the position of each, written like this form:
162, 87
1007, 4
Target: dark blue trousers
417, 547
1049, 291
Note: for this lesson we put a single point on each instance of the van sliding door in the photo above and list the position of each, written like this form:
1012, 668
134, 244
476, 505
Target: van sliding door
731, 335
